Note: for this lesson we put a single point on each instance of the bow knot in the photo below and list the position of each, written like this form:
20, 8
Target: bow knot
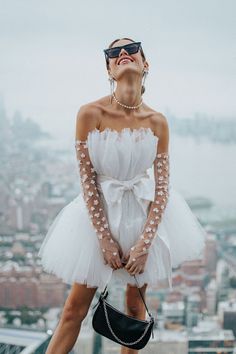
113, 190
128, 185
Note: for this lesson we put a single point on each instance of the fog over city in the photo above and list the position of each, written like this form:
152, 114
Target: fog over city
52, 57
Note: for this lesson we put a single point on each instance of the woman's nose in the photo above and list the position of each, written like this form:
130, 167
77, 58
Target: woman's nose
122, 50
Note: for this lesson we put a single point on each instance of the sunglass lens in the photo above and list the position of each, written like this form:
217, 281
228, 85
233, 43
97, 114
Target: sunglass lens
133, 48
114, 52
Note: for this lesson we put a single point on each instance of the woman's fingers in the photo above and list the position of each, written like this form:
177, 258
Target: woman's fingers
133, 267
128, 265
118, 262
115, 262
132, 262
135, 271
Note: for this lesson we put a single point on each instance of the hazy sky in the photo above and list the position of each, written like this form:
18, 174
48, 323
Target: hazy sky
52, 61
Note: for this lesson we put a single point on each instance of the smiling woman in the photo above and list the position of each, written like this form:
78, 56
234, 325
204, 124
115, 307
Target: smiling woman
131, 48
125, 221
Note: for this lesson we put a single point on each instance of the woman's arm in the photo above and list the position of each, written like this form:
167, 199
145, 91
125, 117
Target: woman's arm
139, 251
161, 175
85, 121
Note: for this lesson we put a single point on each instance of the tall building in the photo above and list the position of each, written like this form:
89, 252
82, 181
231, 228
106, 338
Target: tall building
211, 254
211, 294
222, 280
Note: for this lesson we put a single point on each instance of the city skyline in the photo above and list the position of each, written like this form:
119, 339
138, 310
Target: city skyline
52, 59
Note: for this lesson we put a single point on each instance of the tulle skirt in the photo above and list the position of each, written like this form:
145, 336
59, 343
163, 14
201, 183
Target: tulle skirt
71, 250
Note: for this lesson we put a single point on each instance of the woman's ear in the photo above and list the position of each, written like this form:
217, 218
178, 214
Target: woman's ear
146, 65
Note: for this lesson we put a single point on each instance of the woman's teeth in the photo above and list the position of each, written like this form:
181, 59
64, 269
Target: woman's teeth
124, 61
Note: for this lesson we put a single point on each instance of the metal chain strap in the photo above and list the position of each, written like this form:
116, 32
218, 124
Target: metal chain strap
118, 339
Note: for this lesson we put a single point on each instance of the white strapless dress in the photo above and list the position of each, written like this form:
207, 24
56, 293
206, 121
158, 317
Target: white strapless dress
123, 161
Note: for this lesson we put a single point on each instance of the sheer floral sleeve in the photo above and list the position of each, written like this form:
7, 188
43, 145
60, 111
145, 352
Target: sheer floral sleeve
93, 201
139, 252
161, 173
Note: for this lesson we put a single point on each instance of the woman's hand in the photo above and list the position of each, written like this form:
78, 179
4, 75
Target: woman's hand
136, 259
112, 253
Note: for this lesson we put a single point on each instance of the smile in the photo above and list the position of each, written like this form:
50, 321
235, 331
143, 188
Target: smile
125, 60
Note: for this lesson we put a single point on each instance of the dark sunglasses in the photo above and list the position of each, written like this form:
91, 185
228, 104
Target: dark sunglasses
131, 48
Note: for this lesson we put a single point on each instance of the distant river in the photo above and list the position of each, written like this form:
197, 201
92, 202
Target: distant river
204, 169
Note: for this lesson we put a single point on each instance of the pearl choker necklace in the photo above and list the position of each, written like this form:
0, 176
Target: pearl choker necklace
124, 105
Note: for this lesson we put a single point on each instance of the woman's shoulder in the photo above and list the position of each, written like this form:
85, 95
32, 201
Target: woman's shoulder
96, 105
158, 121
91, 109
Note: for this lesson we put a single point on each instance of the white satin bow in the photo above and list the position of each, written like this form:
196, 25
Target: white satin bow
113, 189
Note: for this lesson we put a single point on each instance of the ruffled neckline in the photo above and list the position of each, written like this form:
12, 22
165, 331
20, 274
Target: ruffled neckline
131, 131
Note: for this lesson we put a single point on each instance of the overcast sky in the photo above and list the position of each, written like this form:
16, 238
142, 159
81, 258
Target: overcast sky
52, 57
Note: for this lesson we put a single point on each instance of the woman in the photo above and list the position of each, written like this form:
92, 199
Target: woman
125, 221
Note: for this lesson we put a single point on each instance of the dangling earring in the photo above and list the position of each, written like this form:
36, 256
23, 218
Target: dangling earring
111, 86
145, 73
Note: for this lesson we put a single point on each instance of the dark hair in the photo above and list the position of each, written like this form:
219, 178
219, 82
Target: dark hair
141, 50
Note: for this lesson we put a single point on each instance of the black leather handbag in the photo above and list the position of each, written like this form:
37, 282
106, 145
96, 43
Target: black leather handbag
119, 327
